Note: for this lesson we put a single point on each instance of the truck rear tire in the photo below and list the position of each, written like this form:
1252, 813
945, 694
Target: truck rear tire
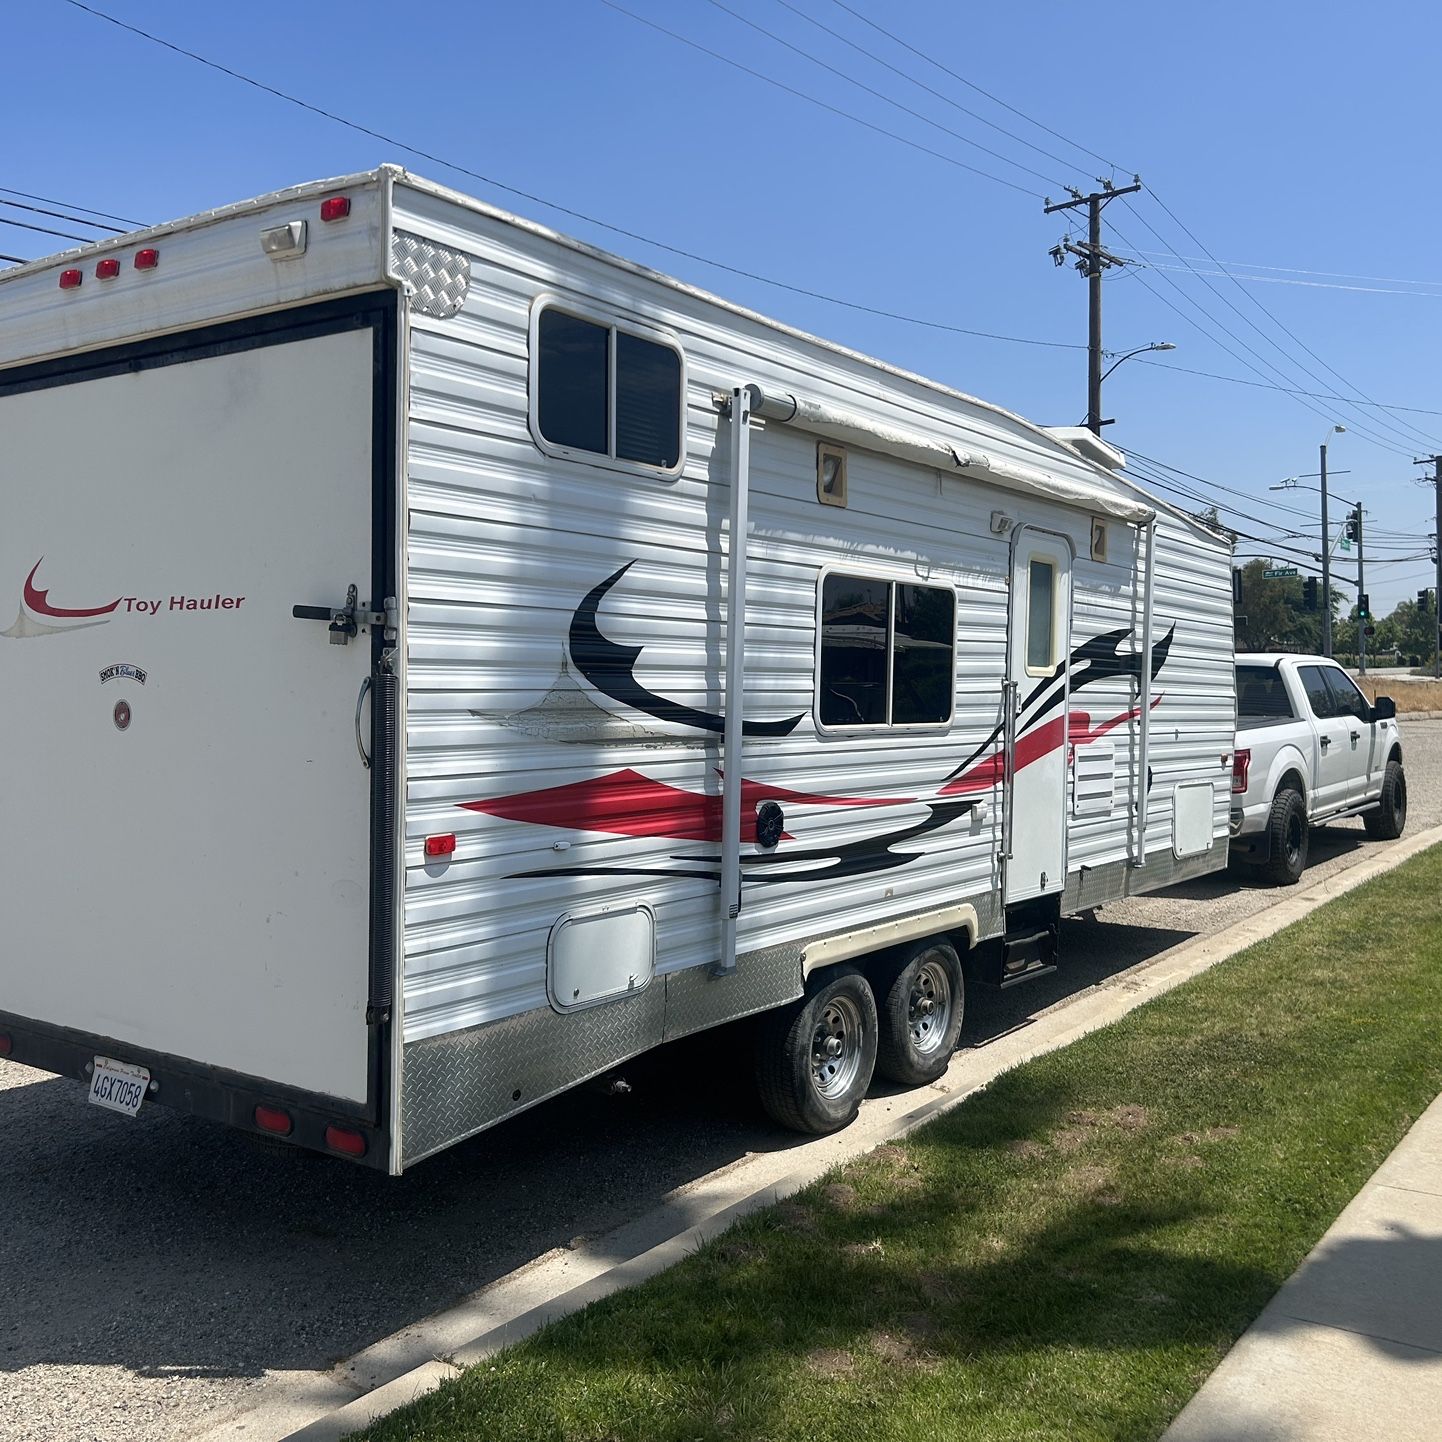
1289, 835
1387, 821
921, 998
815, 1057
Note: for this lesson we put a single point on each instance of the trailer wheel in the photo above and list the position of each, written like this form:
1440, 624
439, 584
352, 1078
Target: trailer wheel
815, 1057
1289, 835
922, 1004
1387, 821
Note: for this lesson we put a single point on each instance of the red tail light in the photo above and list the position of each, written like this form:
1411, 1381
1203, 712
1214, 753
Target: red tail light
147, 259
1241, 764
343, 1139
272, 1119
441, 845
336, 208
69, 279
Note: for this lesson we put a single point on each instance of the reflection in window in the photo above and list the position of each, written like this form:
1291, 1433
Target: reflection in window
887, 653
1319, 696
1041, 618
648, 401
571, 381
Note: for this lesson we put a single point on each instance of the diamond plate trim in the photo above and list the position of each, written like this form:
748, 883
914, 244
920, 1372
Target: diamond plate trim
462, 1082
440, 279
695, 999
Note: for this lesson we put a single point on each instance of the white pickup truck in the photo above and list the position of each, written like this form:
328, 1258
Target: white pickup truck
1310, 748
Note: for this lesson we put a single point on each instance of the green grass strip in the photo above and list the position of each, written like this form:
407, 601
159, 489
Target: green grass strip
1066, 1255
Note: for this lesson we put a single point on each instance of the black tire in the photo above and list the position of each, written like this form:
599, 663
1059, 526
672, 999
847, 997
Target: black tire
921, 999
1387, 821
805, 1083
1290, 836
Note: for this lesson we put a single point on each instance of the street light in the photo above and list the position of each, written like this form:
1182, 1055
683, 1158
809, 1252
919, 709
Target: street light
1140, 350
1326, 548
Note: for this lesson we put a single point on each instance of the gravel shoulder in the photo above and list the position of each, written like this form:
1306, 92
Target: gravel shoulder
165, 1274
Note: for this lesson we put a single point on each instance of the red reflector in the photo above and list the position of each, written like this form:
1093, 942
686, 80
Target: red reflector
1241, 764
5, 1045
342, 1139
272, 1119
107, 269
441, 845
69, 279
147, 259
336, 208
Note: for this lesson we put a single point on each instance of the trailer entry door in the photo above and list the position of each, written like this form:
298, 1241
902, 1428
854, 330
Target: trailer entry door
1038, 650
184, 813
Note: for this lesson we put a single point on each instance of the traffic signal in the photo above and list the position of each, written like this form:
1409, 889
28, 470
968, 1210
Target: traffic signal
1424, 599
1236, 585
1309, 593
1364, 608
1369, 631
1354, 525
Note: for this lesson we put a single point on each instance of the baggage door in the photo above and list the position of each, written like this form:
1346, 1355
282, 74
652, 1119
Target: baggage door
1038, 648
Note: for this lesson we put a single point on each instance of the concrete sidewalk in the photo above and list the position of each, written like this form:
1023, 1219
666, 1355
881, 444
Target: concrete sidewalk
1351, 1347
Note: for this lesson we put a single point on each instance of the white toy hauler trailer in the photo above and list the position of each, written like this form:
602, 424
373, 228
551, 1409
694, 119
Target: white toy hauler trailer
448, 660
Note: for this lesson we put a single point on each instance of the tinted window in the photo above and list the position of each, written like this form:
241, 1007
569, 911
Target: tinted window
854, 615
1040, 617
571, 381
1261, 692
1319, 696
921, 659
648, 401
1349, 700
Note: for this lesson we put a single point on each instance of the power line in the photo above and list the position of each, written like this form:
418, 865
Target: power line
61, 215
870, 90
1270, 386
972, 85
17, 259
553, 205
1296, 269
812, 100
1282, 279
50, 200
45, 230
922, 85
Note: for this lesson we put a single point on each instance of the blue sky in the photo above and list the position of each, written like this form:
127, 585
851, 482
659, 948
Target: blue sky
1288, 135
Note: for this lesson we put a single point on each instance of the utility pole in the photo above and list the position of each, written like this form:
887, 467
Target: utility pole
1362, 621
1092, 260
1436, 480
1326, 565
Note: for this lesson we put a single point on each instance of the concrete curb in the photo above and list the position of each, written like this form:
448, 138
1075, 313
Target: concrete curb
416, 1360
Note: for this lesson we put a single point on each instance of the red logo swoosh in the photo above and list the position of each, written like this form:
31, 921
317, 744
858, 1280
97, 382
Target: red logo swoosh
36, 600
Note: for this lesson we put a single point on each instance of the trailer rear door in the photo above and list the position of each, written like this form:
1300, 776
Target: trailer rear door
185, 858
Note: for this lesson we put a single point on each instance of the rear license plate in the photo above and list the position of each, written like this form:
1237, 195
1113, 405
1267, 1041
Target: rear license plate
118, 1085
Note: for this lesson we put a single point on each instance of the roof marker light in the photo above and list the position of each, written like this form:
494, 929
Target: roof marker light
147, 259
70, 279
441, 845
336, 207
107, 269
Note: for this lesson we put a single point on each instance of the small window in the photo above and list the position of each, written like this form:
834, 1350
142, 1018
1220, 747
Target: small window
1319, 694
607, 391
887, 653
830, 475
1041, 618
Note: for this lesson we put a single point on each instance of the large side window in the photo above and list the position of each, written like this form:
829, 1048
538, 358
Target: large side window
888, 653
1319, 695
605, 390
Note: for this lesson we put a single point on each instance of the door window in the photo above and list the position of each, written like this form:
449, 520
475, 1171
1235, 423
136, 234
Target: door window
1041, 617
1348, 699
1319, 694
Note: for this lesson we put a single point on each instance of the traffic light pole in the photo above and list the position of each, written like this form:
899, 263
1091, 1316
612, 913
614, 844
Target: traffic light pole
1436, 478
1363, 617
1326, 565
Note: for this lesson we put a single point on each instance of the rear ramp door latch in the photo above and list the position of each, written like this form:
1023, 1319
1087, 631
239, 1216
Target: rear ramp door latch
347, 621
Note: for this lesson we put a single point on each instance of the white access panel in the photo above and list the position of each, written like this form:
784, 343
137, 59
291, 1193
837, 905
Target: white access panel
184, 846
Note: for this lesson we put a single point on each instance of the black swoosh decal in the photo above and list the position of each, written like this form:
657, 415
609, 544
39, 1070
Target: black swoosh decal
609, 667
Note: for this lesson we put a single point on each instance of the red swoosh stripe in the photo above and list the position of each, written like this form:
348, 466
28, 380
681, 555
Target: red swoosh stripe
36, 600
626, 803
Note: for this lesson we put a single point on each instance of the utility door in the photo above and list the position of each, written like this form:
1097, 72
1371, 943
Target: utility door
1037, 700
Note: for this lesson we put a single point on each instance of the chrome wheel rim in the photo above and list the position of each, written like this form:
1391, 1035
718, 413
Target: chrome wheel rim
929, 1008
836, 1048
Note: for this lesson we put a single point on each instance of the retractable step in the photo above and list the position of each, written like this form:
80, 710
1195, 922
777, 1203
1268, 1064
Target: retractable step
1027, 949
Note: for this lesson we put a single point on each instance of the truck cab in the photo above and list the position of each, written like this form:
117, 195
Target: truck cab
1310, 749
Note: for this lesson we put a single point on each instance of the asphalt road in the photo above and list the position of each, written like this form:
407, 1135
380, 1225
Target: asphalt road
157, 1273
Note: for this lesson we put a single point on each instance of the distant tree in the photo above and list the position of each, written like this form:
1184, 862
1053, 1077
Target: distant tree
1271, 616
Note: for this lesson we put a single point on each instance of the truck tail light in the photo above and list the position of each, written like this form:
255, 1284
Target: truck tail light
1241, 764
343, 1139
274, 1120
